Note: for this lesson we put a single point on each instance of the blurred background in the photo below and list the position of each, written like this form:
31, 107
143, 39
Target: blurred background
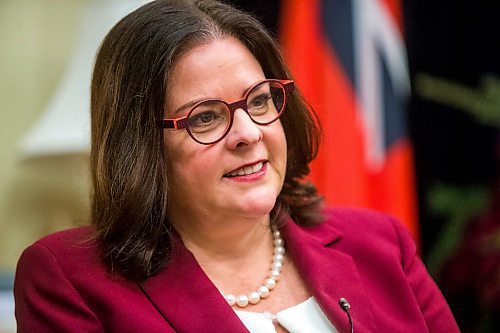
408, 94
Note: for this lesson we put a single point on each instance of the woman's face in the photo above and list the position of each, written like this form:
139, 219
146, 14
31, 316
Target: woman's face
199, 180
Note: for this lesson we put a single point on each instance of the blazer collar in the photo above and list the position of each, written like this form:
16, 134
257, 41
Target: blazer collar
188, 300
330, 274
186, 297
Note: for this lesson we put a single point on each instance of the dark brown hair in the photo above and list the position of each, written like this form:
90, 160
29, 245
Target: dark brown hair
127, 154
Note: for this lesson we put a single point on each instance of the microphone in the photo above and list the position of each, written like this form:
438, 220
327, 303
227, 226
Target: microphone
344, 305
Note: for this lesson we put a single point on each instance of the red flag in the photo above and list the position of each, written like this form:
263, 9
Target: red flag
348, 59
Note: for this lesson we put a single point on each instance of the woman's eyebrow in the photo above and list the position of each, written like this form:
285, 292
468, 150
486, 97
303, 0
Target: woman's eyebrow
192, 103
189, 105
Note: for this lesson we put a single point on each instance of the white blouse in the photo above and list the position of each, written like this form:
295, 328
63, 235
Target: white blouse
305, 317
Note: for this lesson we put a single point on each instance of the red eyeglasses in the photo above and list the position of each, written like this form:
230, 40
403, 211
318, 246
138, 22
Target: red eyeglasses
210, 120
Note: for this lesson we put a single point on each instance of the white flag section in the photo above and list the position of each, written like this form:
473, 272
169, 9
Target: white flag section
64, 127
377, 40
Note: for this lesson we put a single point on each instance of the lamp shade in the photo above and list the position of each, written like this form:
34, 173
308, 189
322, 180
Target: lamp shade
64, 127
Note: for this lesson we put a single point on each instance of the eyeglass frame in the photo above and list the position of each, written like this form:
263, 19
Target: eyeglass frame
182, 122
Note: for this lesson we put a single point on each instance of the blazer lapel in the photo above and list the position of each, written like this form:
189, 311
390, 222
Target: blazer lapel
329, 274
188, 299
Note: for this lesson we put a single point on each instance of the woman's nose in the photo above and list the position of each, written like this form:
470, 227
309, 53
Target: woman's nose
243, 131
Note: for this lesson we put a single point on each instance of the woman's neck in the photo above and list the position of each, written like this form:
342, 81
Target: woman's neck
235, 255
225, 241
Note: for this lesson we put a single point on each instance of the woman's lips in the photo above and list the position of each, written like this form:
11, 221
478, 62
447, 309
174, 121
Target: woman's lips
248, 170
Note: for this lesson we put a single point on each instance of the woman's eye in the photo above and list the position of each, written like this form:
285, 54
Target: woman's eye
206, 117
259, 101
202, 118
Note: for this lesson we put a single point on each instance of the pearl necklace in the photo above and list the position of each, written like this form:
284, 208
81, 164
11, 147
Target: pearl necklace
270, 283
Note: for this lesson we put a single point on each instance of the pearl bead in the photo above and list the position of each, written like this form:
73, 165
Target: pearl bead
279, 250
270, 284
242, 301
277, 266
230, 299
254, 297
263, 291
275, 275
278, 257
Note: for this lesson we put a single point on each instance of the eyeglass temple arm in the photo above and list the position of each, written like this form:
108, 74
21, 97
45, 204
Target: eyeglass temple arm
289, 85
173, 123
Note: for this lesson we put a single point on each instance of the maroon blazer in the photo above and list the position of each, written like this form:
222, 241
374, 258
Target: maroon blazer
366, 257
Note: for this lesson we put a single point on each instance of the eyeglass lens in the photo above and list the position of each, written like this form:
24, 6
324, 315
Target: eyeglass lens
210, 120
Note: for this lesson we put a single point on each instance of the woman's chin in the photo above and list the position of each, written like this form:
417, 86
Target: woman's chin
258, 205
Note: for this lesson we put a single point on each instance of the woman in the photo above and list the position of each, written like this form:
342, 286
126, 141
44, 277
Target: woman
201, 219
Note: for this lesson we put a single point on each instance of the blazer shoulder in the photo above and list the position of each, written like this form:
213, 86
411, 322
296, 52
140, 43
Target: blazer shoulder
369, 230
72, 249
352, 220
69, 240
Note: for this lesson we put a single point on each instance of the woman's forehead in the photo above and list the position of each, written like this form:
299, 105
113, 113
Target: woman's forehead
223, 68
